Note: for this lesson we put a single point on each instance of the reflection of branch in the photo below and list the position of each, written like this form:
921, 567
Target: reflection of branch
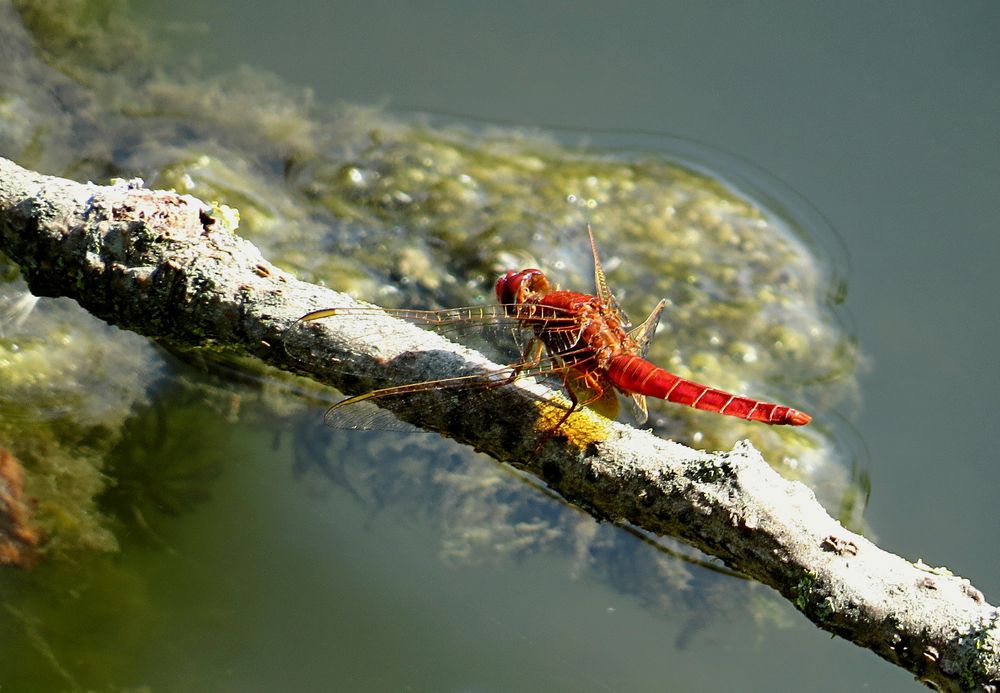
18, 539
164, 265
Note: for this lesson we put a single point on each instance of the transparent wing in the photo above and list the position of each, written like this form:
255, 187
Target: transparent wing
643, 334
499, 331
512, 328
381, 409
601, 285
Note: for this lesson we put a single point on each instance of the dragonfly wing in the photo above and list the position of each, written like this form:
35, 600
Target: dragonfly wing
637, 408
507, 324
600, 281
601, 284
643, 334
501, 332
380, 409
386, 409
365, 416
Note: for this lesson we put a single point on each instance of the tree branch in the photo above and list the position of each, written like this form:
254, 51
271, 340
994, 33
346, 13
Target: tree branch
167, 266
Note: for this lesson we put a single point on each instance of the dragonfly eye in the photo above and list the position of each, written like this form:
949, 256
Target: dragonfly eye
505, 294
514, 286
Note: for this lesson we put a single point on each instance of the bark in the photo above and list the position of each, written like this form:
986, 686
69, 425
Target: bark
167, 266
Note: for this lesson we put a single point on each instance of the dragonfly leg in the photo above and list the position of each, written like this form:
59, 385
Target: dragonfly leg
530, 357
574, 403
585, 389
533, 352
593, 387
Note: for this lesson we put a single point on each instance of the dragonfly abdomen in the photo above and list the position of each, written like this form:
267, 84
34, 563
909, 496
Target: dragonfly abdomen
632, 373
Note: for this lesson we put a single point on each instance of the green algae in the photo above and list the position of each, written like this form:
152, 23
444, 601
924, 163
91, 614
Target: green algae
68, 382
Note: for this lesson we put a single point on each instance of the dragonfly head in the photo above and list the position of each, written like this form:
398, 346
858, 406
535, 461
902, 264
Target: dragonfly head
516, 286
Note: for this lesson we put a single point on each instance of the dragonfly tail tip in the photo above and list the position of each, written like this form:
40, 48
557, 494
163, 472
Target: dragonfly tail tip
797, 418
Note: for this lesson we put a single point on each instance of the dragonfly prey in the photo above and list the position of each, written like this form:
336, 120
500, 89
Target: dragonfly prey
585, 340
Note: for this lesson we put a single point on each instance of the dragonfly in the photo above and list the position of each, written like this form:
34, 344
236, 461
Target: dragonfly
584, 340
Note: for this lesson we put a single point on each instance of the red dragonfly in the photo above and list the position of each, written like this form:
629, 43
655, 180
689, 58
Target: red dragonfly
585, 340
